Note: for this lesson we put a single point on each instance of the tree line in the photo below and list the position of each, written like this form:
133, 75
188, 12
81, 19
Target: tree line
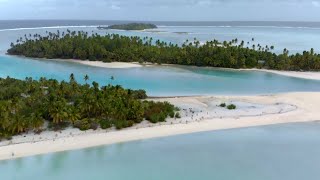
112, 47
35, 105
130, 26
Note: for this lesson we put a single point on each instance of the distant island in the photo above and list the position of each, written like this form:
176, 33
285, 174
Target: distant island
116, 48
130, 26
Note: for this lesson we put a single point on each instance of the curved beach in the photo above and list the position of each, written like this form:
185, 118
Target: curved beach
252, 111
296, 74
123, 65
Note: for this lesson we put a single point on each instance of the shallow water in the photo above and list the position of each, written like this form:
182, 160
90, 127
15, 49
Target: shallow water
295, 39
286, 152
178, 80
161, 80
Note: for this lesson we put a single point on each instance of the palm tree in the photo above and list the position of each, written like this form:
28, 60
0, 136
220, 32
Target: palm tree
18, 124
86, 78
74, 115
272, 47
36, 121
72, 79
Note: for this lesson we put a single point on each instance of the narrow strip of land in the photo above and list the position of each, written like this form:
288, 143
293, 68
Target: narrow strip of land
123, 65
297, 74
198, 114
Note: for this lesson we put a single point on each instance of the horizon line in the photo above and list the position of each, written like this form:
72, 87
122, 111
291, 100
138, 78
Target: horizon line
160, 20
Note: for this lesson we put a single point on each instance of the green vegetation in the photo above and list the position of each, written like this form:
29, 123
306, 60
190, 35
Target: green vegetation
112, 47
223, 105
177, 115
130, 26
158, 111
29, 105
231, 107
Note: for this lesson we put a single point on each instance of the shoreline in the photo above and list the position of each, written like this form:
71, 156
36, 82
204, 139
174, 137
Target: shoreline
265, 110
111, 65
122, 65
311, 75
297, 74
115, 65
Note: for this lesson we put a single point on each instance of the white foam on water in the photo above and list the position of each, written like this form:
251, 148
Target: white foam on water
50, 27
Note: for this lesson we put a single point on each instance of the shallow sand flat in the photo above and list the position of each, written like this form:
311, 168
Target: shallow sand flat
121, 65
118, 65
252, 111
297, 74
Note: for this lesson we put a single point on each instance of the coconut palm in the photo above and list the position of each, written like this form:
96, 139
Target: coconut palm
86, 78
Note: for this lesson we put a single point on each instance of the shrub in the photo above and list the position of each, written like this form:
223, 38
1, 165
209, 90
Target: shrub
171, 114
130, 123
162, 117
158, 111
94, 125
105, 124
57, 127
223, 105
232, 106
178, 115
141, 61
139, 94
154, 118
83, 124
120, 124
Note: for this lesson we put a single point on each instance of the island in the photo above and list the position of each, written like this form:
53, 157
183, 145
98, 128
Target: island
116, 48
130, 26
47, 104
47, 115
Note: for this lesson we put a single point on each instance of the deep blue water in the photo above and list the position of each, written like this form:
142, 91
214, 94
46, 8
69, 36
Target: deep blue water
279, 152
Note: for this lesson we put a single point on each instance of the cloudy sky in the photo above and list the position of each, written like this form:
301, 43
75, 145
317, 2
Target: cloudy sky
185, 10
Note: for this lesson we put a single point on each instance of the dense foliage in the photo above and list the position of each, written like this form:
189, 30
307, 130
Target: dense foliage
112, 47
130, 26
231, 107
32, 105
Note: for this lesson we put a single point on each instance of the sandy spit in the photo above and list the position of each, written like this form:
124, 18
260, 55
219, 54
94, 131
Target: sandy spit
198, 114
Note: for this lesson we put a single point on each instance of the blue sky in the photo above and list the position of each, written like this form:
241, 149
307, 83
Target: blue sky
185, 10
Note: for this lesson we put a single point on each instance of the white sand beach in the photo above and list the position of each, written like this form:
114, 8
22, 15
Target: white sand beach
117, 65
122, 65
198, 114
297, 74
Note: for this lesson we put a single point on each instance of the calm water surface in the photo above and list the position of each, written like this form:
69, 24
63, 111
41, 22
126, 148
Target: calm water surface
171, 80
286, 152
280, 152
161, 80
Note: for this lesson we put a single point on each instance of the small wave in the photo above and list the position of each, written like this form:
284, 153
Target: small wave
280, 27
49, 27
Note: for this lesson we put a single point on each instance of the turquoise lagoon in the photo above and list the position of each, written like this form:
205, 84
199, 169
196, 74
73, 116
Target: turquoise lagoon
286, 152
162, 80
280, 152
175, 80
